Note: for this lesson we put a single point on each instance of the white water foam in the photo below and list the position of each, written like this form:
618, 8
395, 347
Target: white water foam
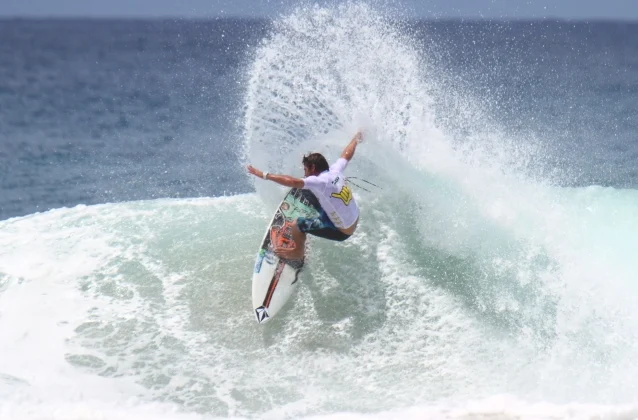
388, 341
515, 252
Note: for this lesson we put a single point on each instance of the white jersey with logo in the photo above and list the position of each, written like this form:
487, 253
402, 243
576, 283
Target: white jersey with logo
334, 196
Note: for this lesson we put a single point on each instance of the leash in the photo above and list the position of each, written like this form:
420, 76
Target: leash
359, 186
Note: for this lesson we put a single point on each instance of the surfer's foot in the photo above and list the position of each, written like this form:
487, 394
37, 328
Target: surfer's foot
289, 253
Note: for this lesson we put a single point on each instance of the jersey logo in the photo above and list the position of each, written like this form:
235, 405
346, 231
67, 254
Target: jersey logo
344, 195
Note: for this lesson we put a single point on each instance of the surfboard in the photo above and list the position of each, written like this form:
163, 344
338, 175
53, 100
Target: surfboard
275, 279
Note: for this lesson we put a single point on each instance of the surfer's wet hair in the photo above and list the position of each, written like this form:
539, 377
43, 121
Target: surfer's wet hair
317, 159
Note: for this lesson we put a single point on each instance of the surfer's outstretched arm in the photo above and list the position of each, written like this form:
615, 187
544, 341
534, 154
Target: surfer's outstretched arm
285, 180
348, 152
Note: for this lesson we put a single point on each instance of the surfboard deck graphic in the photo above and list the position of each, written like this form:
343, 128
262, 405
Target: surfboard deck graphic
275, 279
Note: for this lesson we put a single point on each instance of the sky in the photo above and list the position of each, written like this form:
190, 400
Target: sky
489, 9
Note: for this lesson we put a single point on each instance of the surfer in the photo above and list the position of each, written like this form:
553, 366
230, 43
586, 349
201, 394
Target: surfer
339, 213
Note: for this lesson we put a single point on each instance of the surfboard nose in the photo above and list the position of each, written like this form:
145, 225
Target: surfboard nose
262, 314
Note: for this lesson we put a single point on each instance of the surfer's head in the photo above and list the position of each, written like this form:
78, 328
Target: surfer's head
314, 164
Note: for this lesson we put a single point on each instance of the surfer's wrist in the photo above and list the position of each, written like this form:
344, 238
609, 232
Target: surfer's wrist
265, 175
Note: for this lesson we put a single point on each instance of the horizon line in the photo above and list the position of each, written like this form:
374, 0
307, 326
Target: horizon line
269, 18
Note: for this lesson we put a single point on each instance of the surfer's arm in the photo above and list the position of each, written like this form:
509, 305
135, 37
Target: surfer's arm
285, 180
348, 152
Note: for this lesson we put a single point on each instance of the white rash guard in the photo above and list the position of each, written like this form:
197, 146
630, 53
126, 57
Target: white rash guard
335, 197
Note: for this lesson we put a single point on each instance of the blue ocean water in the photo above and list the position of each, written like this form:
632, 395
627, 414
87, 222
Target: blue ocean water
492, 274
102, 111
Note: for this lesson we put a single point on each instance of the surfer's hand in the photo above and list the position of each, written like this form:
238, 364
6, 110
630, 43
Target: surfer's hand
255, 171
358, 137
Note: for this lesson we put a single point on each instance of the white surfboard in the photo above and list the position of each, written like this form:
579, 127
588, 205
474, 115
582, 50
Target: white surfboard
274, 279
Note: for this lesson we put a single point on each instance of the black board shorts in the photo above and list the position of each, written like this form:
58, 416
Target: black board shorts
322, 227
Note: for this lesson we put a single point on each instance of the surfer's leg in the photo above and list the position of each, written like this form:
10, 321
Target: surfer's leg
297, 252
320, 226
300, 239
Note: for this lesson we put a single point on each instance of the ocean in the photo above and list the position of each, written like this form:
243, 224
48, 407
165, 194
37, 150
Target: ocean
493, 274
